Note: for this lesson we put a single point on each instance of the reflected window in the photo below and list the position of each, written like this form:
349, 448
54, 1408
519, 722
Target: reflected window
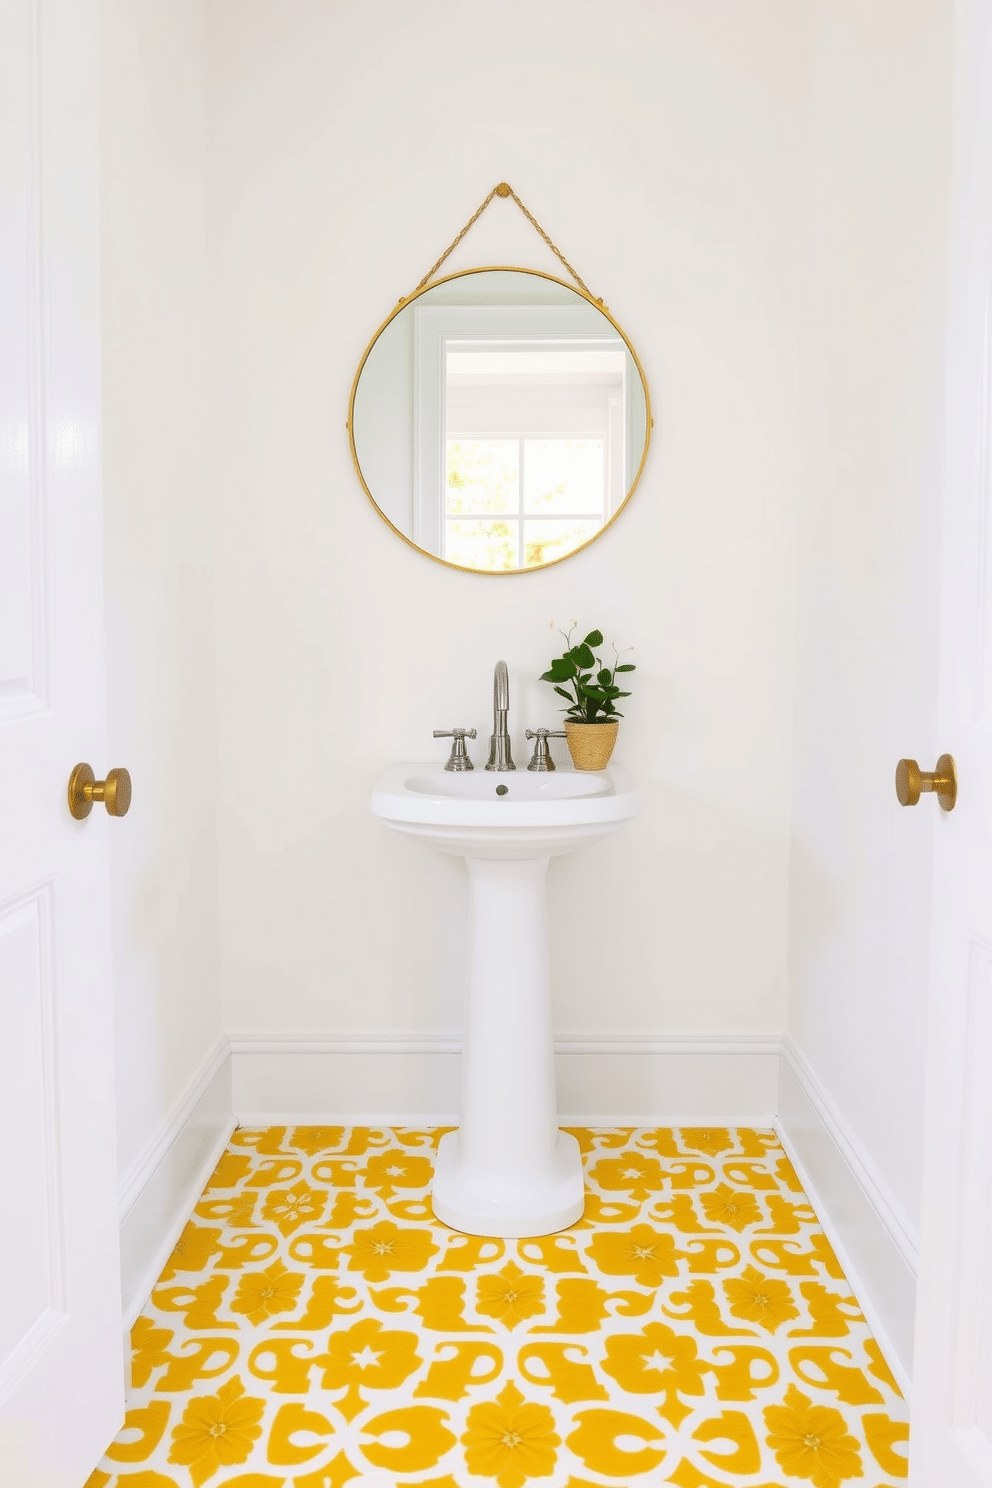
535, 437
518, 503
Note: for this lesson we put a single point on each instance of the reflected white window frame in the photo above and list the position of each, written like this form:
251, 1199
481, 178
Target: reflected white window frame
521, 517
539, 327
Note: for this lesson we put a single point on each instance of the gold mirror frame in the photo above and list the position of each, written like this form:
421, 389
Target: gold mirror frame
583, 294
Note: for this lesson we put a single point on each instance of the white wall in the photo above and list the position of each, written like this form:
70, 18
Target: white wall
657, 144
875, 268
759, 193
160, 670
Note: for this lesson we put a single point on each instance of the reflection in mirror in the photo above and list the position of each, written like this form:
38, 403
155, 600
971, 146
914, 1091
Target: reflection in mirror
499, 420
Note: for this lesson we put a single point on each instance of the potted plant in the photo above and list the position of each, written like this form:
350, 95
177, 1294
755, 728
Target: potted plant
590, 689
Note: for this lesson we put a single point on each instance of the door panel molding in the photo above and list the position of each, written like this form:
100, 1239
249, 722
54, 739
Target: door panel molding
33, 1248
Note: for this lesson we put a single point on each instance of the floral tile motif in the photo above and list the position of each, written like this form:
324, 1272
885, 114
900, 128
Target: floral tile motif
316, 1327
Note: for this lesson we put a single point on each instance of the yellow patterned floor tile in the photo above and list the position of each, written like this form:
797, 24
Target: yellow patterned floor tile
316, 1327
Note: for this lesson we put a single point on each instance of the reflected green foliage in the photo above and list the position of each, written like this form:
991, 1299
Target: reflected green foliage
482, 477
546, 541
487, 545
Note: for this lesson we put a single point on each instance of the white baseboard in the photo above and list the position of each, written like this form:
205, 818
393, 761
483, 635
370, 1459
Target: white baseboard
411, 1079
871, 1233
891, 1213
157, 1196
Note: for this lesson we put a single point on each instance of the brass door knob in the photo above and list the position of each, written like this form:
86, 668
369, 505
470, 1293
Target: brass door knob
911, 782
84, 789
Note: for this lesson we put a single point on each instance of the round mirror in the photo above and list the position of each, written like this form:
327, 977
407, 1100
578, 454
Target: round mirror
499, 420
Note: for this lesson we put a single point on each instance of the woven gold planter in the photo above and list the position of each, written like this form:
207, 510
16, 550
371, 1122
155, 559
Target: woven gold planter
591, 744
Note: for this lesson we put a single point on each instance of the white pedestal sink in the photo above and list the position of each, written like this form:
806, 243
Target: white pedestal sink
508, 1170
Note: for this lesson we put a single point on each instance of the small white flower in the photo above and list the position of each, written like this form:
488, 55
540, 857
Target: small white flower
552, 625
573, 623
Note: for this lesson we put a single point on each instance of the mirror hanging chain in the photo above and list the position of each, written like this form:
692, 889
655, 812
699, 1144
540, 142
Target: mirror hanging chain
504, 189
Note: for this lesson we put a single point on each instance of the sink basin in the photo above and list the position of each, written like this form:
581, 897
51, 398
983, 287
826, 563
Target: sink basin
540, 814
507, 1170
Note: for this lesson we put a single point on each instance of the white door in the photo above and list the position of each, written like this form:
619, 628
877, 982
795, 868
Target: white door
61, 1358
951, 1435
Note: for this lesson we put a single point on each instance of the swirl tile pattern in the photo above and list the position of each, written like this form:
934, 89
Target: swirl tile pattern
316, 1327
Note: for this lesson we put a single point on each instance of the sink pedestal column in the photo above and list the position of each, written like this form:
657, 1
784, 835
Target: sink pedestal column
508, 1171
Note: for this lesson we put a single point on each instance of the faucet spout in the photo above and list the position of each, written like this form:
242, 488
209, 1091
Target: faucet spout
501, 689
499, 744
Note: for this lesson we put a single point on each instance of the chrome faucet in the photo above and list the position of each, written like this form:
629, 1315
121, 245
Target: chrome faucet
541, 759
499, 744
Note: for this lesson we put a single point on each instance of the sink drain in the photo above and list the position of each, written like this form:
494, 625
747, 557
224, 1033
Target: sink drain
501, 790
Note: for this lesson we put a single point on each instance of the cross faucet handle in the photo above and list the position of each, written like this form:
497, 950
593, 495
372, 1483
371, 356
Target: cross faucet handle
541, 759
458, 758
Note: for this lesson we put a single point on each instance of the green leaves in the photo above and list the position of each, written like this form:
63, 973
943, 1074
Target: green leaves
587, 685
562, 670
